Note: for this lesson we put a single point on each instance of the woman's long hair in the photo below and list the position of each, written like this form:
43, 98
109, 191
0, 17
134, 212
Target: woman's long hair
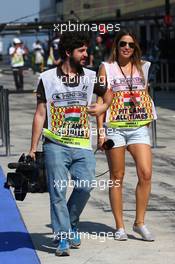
135, 58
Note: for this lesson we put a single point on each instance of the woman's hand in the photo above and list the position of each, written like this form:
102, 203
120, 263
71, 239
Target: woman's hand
100, 141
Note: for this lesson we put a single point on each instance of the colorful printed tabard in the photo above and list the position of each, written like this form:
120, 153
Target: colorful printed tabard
69, 125
131, 109
68, 122
72, 114
69, 141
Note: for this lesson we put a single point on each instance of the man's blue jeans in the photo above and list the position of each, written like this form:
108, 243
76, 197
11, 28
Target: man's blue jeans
80, 163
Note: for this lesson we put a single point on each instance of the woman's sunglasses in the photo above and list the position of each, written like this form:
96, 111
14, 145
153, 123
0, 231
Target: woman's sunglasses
124, 43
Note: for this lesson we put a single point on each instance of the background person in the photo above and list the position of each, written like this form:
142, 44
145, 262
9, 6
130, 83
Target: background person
97, 53
53, 53
17, 53
38, 53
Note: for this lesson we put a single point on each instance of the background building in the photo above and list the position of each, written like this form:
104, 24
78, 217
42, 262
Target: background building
100, 9
48, 10
109, 9
146, 17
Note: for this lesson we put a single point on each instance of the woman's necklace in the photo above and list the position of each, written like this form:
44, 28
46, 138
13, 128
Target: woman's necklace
129, 82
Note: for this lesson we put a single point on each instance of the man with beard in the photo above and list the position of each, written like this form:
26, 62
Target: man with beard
64, 97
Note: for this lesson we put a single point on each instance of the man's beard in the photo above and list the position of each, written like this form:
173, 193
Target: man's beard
75, 64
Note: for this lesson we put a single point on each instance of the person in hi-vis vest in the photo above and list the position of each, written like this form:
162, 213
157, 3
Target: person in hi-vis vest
64, 96
17, 53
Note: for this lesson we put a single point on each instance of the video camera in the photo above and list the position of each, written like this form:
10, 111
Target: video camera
29, 176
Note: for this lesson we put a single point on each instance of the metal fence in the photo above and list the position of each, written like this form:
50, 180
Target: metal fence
4, 119
151, 88
163, 72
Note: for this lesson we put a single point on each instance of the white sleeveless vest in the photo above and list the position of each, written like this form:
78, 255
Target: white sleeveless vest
68, 121
129, 109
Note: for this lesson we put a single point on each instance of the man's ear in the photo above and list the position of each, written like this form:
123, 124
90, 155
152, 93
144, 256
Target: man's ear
68, 53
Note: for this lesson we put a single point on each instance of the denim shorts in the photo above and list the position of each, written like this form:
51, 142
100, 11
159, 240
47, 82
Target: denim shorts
126, 137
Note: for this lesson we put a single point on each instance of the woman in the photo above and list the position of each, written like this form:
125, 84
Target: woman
126, 123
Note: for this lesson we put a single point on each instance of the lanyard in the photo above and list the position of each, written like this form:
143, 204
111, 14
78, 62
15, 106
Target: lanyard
129, 83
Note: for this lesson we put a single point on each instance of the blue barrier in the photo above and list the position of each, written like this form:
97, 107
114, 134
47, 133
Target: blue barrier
15, 243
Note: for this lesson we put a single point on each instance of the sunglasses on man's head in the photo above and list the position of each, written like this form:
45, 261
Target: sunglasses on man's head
124, 43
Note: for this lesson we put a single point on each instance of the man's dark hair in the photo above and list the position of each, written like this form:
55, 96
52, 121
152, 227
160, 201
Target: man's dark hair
70, 41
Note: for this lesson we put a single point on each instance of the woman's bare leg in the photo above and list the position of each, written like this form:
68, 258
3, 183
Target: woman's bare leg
143, 158
116, 161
